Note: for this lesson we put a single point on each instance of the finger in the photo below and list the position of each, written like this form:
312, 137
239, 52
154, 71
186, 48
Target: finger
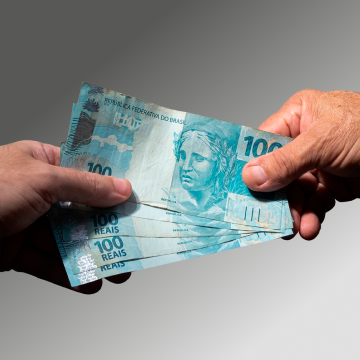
286, 121
46, 153
315, 205
308, 182
312, 217
279, 168
63, 184
49, 268
309, 226
336, 185
325, 197
294, 116
119, 279
296, 198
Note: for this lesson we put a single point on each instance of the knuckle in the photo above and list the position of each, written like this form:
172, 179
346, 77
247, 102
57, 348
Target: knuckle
47, 182
28, 145
309, 98
283, 165
308, 93
95, 184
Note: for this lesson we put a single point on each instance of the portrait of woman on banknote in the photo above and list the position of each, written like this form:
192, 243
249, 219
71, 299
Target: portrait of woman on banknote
205, 164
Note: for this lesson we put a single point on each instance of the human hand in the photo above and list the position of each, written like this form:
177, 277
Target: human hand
321, 164
30, 181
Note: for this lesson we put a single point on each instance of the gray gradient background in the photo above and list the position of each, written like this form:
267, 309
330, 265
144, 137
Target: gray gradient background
232, 60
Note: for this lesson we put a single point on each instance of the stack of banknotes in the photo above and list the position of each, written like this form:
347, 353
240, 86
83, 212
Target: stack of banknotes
188, 196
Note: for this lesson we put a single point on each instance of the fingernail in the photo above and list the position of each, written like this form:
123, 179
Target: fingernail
257, 174
123, 187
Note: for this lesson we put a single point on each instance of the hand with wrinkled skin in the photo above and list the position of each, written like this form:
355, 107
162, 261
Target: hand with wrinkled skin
321, 164
30, 181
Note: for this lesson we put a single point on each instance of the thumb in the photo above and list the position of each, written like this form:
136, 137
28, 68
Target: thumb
279, 168
86, 188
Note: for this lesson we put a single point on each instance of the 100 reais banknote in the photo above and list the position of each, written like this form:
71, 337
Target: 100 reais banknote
188, 195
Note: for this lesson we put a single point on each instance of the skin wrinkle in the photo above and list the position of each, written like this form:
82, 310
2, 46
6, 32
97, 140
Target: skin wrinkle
282, 161
39, 207
38, 153
47, 190
316, 142
47, 152
320, 141
53, 156
332, 138
307, 110
95, 185
356, 155
37, 204
285, 122
348, 152
293, 124
92, 183
309, 153
48, 197
76, 177
11, 185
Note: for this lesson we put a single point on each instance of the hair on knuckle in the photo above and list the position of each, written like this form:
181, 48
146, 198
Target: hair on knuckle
95, 184
284, 165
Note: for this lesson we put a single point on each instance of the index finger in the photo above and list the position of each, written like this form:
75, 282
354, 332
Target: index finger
285, 121
46, 153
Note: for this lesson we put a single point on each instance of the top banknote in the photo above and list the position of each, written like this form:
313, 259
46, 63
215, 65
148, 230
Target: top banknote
174, 160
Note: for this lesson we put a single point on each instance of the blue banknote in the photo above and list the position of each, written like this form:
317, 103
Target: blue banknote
89, 271
123, 248
148, 212
86, 236
174, 160
83, 224
113, 249
142, 211
141, 264
129, 209
75, 280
